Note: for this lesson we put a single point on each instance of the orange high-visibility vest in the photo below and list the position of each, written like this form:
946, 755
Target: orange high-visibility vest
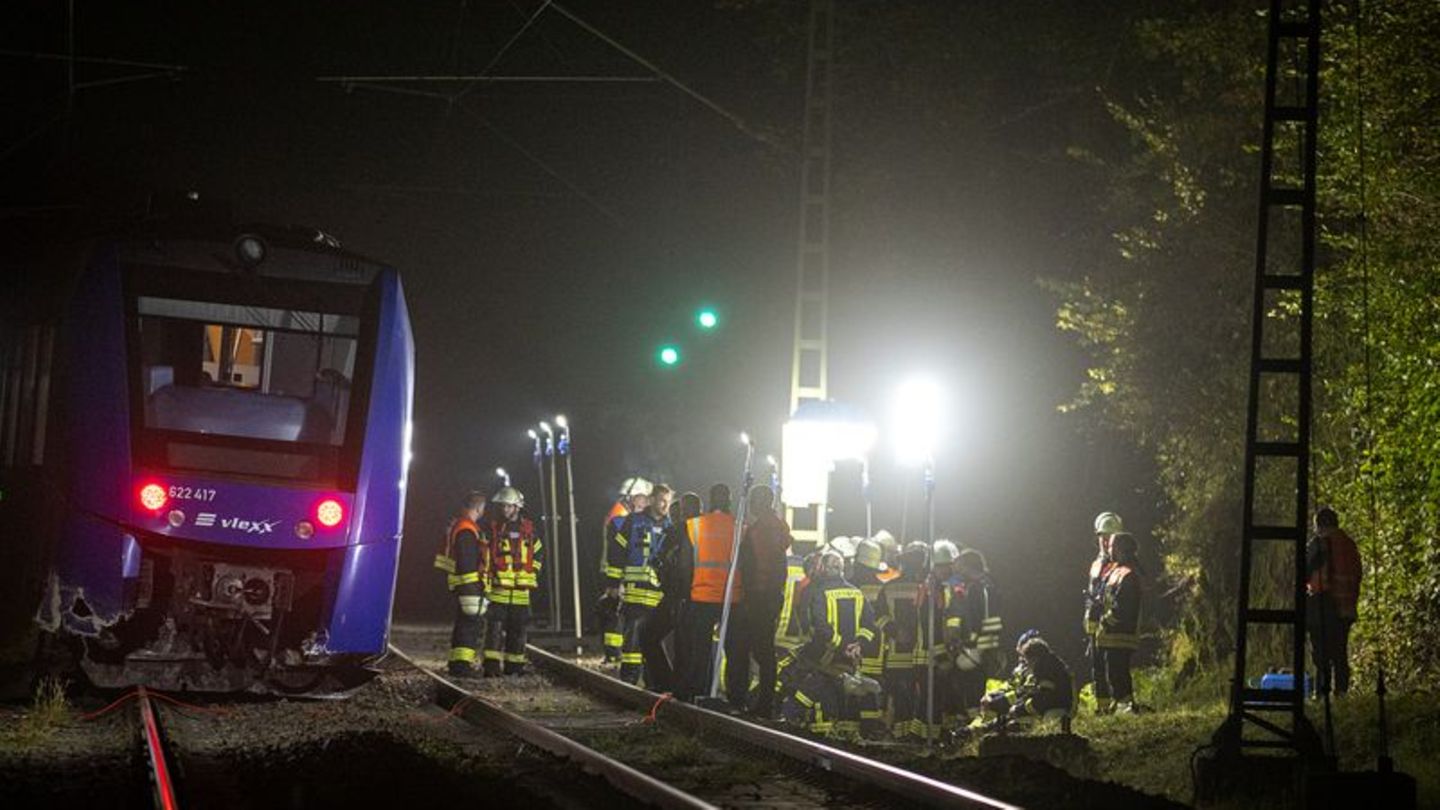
712, 536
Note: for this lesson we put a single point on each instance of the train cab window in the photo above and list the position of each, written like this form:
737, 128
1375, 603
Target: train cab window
238, 372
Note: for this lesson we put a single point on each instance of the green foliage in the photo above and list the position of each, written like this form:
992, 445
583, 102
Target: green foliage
1165, 314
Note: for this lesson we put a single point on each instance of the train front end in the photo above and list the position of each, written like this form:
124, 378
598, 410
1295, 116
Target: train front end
236, 426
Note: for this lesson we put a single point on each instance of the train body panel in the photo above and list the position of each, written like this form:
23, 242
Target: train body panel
87, 589
235, 451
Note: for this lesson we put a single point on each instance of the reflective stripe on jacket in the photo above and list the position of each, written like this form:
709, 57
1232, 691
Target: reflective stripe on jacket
1100, 568
838, 618
788, 632
1120, 618
461, 556
872, 650
640, 535
712, 538
612, 554
983, 625
898, 612
514, 552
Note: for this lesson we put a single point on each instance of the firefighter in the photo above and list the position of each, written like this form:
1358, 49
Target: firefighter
978, 656
634, 497
1107, 525
641, 533
1333, 593
1119, 633
515, 554
1047, 690
869, 576
1041, 687
462, 559
840, 622
949, 653
898, 615
712, 538
790, 636
674, 565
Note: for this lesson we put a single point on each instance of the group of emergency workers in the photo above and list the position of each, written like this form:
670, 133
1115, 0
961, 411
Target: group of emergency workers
667, 566
864, 636
842, 641
491, 555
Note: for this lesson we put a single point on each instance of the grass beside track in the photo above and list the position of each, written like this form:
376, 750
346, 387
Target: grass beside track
1151, 751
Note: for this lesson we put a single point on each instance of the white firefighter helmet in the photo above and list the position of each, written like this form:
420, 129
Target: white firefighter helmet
636, 486
842, 545
1108, 523
832, 564
946, 552
626, 486
870, 554
888, 544
507, 496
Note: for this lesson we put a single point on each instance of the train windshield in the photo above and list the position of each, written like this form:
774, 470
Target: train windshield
250, 390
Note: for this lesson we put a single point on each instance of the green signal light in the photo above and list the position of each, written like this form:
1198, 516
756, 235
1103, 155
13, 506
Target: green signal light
669, 355
707, 318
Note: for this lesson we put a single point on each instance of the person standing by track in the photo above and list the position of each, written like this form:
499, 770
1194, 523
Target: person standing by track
1332, 596
1107, 525
514, 551
461, 556
638, 536
673, 563
712, 538
764, 568
634, 497
1119, 633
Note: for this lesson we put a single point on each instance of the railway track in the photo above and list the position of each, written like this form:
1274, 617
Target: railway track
679, 755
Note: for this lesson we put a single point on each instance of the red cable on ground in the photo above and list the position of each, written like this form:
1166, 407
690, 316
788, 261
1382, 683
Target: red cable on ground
112, 707
216, 710
651, 717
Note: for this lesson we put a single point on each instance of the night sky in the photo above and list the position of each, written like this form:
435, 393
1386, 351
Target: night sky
953, 196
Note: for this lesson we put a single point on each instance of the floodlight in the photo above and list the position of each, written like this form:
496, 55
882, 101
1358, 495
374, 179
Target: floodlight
917, 411
560, 421
707, 318
744, 438
532, 434
669, 355
545, 428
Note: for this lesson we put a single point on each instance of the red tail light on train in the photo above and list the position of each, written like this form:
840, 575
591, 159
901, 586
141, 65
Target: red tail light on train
329, 513
153, 497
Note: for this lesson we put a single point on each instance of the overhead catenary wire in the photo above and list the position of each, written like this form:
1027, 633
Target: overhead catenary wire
666, 77
504, 49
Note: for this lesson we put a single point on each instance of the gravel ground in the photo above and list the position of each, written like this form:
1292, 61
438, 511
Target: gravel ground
386, 740
70, 764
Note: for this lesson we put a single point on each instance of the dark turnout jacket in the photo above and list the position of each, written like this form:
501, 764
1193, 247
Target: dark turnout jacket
763, 559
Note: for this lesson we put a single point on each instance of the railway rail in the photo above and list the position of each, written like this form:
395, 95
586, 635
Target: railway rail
161, 773
589, 709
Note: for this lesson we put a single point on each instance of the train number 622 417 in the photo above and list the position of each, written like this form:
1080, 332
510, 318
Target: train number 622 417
192, 494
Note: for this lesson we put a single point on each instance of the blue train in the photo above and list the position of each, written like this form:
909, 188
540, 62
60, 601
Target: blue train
229, 446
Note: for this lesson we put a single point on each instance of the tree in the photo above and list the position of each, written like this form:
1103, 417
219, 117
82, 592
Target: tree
1165, 313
